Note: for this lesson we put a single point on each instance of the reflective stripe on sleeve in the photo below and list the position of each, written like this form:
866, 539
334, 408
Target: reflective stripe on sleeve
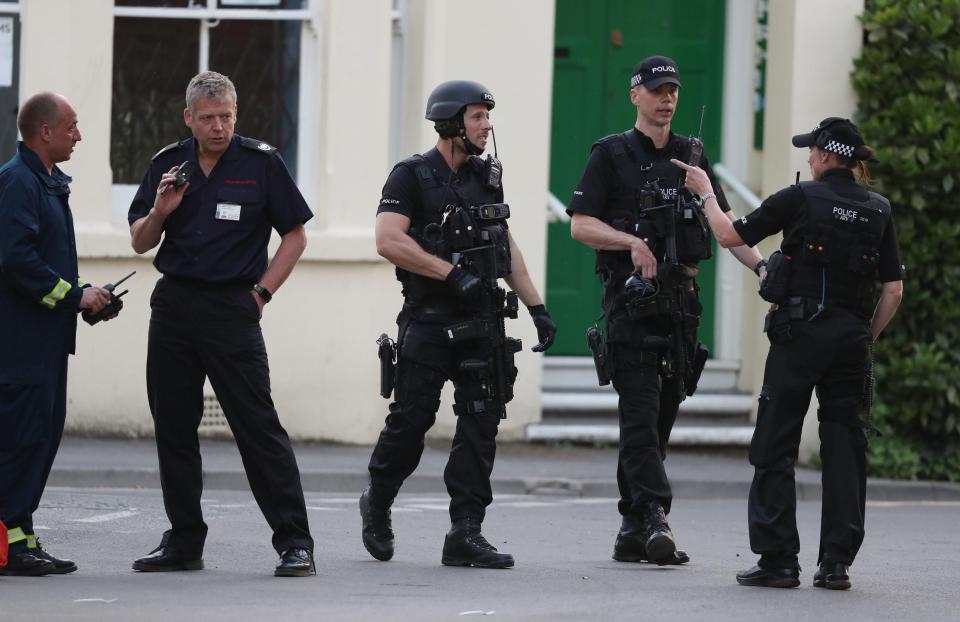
56, 294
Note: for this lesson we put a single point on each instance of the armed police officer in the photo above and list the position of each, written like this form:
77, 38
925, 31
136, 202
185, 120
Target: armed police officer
649, 236
205, 320
839, 240
442, 223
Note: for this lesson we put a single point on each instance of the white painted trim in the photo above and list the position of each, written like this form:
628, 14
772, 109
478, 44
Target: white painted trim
199, 12
9, 9
595, 401
735, 144
556, 210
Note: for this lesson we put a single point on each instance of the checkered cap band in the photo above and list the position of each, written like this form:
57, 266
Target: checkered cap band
839, 148
635, 80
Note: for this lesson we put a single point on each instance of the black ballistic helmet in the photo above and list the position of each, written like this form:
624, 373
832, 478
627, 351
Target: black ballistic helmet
447, 102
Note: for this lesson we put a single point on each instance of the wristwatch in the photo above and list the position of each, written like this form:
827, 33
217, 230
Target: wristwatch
760, 264
263, 292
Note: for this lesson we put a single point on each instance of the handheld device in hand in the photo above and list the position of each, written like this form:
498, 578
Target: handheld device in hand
113, 307
182, 176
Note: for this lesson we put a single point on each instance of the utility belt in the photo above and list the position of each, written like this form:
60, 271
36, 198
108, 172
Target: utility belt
796, 308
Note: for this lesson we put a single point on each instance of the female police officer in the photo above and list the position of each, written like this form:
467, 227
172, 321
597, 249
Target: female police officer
838, 241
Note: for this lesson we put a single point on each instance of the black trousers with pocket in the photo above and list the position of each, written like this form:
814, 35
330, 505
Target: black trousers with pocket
199, 331
829, 355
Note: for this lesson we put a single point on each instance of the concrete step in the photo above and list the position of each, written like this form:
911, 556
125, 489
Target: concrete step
576, 373
609, 433
576, 409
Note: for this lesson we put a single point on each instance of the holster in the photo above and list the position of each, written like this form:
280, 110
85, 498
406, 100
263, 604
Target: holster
387, 352
775, 284
700, 356
601, 360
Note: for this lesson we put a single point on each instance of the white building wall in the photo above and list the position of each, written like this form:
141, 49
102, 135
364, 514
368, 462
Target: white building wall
321, 327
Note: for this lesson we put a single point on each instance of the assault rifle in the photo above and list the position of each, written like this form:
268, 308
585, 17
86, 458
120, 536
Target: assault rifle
487, 257
686, 356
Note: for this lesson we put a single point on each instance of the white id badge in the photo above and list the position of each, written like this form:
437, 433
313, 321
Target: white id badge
228, 211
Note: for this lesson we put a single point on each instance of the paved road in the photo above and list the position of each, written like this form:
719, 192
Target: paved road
907, 569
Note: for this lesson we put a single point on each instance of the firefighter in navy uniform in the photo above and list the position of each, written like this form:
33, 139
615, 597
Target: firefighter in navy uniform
205, 319
422, 199
40, 296
608, 214
839, 240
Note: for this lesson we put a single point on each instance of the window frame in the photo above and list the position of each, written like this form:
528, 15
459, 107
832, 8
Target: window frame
209, 16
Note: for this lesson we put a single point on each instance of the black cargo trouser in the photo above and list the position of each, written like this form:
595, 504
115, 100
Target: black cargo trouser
828, 354
199, 331
647, 410
426, 361
33, 407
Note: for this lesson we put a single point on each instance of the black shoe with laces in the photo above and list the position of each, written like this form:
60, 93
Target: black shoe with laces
833, 576
377, 528
630, 545
658, 539
60, 566
25, 564
295, 562
466, 546
165, 558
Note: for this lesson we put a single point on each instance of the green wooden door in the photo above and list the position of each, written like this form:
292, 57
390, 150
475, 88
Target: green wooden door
597, 44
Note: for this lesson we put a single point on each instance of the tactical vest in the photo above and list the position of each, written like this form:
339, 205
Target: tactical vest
635, 168
479, 184
835, 250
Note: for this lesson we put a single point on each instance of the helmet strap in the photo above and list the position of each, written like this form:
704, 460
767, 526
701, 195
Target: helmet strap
470, 147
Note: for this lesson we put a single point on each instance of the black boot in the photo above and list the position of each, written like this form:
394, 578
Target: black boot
61, 566
24, 563
833, 576
631, 544
466, 546
377, 528
658, 539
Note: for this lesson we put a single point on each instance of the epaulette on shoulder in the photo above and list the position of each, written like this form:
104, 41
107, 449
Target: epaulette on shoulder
169, 147
257, 145
609, 139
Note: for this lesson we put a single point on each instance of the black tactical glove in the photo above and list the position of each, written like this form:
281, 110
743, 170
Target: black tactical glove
546, 329
466, 285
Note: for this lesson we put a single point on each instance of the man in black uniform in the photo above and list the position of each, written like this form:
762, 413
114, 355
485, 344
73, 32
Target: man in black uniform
430, 227
615, 211
205, 318
838, 241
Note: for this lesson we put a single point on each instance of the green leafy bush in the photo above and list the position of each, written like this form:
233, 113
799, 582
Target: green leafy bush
908, 83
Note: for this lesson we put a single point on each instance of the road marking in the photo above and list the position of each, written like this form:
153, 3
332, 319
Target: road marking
322, 509
102, 518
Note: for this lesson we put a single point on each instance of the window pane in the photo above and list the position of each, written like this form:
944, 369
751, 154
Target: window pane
9, 96
263, 60
177, 4
153, 60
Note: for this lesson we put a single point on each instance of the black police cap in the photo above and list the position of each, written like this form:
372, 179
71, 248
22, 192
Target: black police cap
837, 135
653, 71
